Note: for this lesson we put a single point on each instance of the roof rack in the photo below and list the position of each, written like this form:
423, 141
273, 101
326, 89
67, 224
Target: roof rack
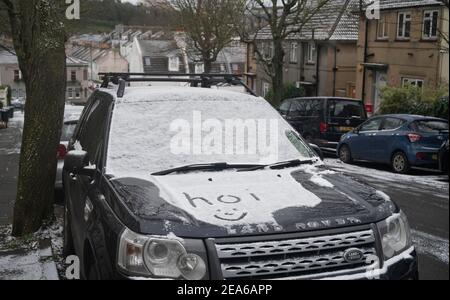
204, 80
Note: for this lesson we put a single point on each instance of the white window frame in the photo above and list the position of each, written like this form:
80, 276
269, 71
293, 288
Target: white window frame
311, 52
412, 81
293, 53
147, 61
265, 89
174, 64
383, 25
199, 68
69, 93
406, 20
429, 36
77, 93
19, 74
268, 50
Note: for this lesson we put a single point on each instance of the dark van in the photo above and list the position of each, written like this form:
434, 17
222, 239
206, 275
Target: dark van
323, 120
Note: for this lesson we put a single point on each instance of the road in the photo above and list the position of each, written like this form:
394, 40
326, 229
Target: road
424, 197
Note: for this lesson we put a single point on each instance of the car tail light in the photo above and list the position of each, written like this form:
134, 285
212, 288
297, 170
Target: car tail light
420, 156
62, 151
414, 138
323, 127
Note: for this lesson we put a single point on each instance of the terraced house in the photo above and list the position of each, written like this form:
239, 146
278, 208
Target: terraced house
408, 44
321, 59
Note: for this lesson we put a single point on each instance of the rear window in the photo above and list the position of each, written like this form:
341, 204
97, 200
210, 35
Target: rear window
345, 109
67, 131
430, 126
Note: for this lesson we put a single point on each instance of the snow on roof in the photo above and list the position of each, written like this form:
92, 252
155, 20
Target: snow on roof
72, 61
396, 4
7, 58
334, 21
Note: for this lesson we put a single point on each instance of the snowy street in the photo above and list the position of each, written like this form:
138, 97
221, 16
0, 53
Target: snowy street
424, 197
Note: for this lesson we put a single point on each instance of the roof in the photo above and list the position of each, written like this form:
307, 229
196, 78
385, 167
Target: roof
335, 21
7, 58
72, 61
158, 48
397, 4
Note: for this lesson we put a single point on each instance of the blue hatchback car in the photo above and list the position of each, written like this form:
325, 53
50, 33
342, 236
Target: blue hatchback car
403, 141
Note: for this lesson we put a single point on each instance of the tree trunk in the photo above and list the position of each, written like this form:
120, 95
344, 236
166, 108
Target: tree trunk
277, 78
39, 39
208, 65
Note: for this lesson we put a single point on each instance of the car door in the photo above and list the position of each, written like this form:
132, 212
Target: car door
90, 138
385, 141
344, 115
361, 145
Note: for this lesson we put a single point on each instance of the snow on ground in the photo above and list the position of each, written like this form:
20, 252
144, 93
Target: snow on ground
34, 257
14, 124
435, 181
431, 245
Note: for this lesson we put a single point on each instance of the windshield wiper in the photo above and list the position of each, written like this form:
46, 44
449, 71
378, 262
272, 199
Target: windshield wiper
281, 165
206, 167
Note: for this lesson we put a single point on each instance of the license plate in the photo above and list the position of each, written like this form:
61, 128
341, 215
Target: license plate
345, 129
434, 157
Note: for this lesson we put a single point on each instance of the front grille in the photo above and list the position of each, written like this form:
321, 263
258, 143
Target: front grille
295, 257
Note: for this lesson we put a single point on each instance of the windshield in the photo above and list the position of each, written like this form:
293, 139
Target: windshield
154, 136
346, 109
430, 126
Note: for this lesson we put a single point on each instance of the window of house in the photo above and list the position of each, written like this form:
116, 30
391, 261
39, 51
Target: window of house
404, 25
412, 82
73, 75
70, 93
199, 68
430, 24
382, 28
147, 61
77, 93
268, 50
17, 75
293, 52
85, 74
311, 52
174, 64
235, 68
265, 89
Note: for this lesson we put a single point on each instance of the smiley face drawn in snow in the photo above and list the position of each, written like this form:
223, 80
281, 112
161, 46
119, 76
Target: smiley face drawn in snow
228, 204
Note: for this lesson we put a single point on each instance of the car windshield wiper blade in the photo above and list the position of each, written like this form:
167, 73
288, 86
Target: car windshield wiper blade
207, 166
281, 165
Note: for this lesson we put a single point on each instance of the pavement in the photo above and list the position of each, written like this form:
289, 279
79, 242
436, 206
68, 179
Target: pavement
31, 257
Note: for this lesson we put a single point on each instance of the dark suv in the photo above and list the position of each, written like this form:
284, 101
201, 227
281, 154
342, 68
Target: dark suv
144, 201
323, 120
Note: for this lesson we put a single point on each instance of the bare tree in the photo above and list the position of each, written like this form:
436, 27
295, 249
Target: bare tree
280, 19
38, 34
210, 25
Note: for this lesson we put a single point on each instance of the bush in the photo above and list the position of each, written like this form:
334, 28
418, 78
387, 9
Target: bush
415, 100
289, 91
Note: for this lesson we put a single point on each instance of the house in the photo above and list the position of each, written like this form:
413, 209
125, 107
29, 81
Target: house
321, 58
405, 46
100, 60
11, 75
78, 86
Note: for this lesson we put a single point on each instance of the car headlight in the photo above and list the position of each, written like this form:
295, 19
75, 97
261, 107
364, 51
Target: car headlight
395, 235
160, 257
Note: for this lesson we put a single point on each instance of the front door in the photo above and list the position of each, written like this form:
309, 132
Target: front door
380, 81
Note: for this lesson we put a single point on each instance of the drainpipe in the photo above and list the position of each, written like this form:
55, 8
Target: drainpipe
317, 68
366, 37
334, 71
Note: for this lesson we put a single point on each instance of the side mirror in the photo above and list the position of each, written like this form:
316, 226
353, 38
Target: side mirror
317, 150
76, 162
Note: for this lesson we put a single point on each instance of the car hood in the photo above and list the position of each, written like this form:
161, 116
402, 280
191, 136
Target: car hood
221, 204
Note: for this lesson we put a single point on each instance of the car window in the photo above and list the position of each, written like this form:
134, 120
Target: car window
371, 125
299, 108
430, 126
284, 108
67, 131
392, 123
345, 109
93, 130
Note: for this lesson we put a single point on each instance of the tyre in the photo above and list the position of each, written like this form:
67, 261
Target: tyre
400, 163
68, 248
93, 273
345, 155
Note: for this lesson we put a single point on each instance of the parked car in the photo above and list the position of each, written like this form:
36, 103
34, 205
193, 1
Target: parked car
323, 120
137, 209
403, 141
18, 103
443, 157
71, 116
